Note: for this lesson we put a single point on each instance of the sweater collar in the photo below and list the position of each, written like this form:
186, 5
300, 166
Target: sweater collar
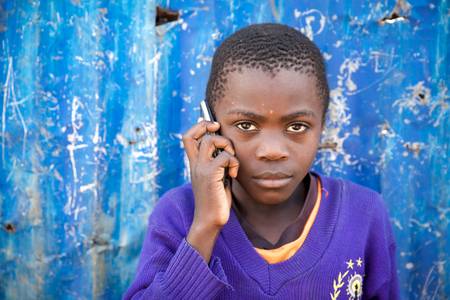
303, 260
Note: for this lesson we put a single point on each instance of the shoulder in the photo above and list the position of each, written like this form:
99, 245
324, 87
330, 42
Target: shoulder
360, 203
174, 210
353, 194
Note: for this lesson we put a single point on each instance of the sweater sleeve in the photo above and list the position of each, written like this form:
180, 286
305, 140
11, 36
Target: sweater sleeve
394, 292
382, 275
170, 269
390, 289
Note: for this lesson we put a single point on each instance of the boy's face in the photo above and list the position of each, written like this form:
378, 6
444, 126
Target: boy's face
275, 126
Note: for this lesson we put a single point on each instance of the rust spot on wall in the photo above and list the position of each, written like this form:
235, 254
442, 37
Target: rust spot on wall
415, 148
164, 15
10, 228
398, 14
328, 145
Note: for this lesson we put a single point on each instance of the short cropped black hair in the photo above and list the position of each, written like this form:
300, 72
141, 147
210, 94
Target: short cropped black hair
271, 48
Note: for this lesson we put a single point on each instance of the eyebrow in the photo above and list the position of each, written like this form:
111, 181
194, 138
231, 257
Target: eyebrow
252, 115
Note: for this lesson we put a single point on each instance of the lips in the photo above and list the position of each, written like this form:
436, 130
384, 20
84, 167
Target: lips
272, 180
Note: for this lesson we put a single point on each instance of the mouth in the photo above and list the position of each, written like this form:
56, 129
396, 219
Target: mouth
271, 180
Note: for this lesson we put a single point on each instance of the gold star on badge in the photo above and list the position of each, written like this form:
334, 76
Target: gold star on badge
349, 264
359, 261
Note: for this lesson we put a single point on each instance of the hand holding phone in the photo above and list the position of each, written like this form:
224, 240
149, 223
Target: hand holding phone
210, 156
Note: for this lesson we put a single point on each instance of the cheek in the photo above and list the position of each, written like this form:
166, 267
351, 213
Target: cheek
241, 147
309, 148
243, 154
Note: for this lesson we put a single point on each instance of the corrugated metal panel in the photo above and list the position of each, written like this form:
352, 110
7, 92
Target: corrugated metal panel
95, 99
78, 146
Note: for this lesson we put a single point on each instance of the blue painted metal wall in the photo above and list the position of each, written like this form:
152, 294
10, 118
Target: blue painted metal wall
95, 99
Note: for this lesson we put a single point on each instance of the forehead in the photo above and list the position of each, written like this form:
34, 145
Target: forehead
282, 92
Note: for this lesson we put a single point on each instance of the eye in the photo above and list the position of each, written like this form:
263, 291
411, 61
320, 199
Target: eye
297, 128
246, 126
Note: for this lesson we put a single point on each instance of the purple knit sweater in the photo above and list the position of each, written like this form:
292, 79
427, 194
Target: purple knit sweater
348, 254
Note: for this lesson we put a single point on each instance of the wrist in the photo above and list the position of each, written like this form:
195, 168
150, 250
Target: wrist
202, 237
204, 230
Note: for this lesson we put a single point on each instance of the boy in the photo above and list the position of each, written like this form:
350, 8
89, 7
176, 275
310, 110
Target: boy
277, 230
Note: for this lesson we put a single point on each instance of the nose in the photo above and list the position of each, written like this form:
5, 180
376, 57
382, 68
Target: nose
272, 147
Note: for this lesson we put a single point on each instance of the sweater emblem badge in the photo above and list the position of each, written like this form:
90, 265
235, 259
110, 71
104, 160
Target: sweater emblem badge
351, 279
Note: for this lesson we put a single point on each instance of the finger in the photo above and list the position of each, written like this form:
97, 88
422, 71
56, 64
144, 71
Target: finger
210, 143
233, 167
226, 160
190, 138
200, 129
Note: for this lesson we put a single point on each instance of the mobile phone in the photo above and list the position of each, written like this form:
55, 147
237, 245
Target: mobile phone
206, 112
207, 115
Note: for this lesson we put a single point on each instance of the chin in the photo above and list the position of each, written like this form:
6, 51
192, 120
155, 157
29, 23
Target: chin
271, 197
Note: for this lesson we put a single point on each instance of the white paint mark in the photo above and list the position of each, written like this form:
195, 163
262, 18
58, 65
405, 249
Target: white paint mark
187, 98
409, 266
20, 102
77, 211
96, 137
73, 139
397, 224
327, 56
204, 59
386, 130
155, 58
111, 58
418, 95
143, 156
9, 90
338, 44
442, 105
425, 225
431, 282
216, 35
88, 187
385, 58
14, 163
307, 19
5, 102
348, 67
58, 175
